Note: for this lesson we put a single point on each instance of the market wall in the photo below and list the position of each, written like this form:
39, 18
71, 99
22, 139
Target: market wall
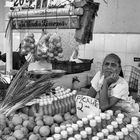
116, 30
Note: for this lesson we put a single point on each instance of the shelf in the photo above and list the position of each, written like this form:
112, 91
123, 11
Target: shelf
61, 22
53, 12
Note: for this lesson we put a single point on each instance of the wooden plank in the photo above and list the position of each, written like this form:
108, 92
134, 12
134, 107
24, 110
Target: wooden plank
38, 4
9, 49
44, 3
46, 12
69, 22
66, 80
41, 3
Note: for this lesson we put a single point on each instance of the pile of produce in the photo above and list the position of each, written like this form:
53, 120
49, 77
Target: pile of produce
49, 46
22, 126
28, 44
39, 118
36, 111
105, 126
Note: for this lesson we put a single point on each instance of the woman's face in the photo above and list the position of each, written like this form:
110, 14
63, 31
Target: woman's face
110, 65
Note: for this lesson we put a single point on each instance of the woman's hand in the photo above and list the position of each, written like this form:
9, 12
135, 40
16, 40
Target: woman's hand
112, 78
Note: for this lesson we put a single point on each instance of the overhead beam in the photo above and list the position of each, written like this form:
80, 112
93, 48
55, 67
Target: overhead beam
63, 22
46, 12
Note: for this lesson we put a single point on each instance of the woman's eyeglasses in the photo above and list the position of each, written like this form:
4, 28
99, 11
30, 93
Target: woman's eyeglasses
113, 65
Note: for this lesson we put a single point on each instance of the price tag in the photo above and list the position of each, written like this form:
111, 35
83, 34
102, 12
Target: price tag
136, 59
20, 3
86, 105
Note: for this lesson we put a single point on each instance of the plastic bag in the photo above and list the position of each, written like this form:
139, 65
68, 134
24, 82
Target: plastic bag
129, 106
49, 46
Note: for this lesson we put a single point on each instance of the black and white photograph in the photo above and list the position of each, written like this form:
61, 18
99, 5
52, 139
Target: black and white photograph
69, 70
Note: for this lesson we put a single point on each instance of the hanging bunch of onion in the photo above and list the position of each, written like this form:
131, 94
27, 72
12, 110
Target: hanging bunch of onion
50, 46
28, 44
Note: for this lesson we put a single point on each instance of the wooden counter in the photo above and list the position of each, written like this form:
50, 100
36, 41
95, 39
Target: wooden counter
66, 80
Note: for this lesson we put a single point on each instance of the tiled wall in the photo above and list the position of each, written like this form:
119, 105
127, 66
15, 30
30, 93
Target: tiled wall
127, 46
114, 17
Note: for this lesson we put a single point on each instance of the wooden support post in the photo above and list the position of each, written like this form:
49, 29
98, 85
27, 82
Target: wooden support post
9, 49
41, 3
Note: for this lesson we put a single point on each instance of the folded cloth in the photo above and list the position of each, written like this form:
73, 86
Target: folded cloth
76, 60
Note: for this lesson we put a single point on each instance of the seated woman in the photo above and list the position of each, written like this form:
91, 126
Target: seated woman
111, 88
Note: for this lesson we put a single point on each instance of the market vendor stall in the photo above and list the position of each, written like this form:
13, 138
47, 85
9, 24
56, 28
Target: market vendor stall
54, 117
56, 15
35, 109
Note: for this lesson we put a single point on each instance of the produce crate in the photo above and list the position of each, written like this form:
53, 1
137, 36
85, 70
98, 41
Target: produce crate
72, 67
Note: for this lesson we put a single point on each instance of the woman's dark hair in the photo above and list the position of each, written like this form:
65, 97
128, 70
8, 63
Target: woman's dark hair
116, 57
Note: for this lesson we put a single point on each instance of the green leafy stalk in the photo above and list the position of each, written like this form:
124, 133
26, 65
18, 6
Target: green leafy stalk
21, 91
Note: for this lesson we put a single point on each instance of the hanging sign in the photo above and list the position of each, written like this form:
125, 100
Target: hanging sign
21, 3
86, 105
71, 22
136, 59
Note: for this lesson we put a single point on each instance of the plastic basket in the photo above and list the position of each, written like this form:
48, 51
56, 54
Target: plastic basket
72, 67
